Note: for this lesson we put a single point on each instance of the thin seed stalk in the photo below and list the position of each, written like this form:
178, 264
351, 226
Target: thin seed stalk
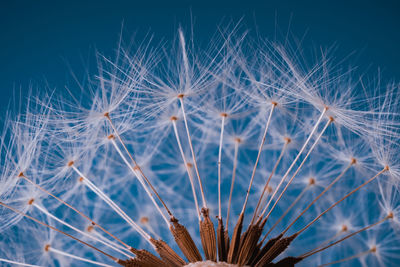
237, 141
287, 141
295, 160
258, 156
301, 165
180, 97
320, 195
343, 198
22, 175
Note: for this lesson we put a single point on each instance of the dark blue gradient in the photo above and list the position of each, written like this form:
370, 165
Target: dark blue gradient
42, 41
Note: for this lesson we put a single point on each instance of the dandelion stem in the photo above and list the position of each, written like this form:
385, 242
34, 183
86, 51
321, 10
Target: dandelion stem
187, 166
74, 209
223, 116
258, 155
48, 214
343, 198
112, 204
49, 248
18, 263
320, 195
57, 230
312, 252
192, 151
294, 162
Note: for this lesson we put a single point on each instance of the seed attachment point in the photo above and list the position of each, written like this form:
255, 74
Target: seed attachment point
390, 215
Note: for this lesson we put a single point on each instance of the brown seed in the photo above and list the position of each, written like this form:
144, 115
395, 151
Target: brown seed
287, 262
235, 243
185, 241
226, 238
167, 254
279, 246
249, 243
221, 241
146, 258
207, 234
265, 248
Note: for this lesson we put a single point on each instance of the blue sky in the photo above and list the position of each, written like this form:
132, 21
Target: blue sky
41, 41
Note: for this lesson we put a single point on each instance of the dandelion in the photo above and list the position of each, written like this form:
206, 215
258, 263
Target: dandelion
236, 155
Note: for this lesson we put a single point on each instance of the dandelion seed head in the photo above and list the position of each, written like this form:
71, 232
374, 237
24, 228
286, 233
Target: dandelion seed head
170, 149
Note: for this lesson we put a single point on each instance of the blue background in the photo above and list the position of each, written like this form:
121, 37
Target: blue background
41, 41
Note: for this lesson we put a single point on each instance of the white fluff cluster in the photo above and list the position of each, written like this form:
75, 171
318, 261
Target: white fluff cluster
243, 126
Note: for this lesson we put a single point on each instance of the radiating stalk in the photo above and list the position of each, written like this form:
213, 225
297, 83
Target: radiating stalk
94, 232
22, 175
65, 254
137, 167
321, 194
140, 179
112, 204
18, 263
287, 210
187, 166
48, 214
296, 159
258, 155
57, 230
343, 198
308, 254
192, 151
329, 240
358, 255
235, 160
287, 141
223, 116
